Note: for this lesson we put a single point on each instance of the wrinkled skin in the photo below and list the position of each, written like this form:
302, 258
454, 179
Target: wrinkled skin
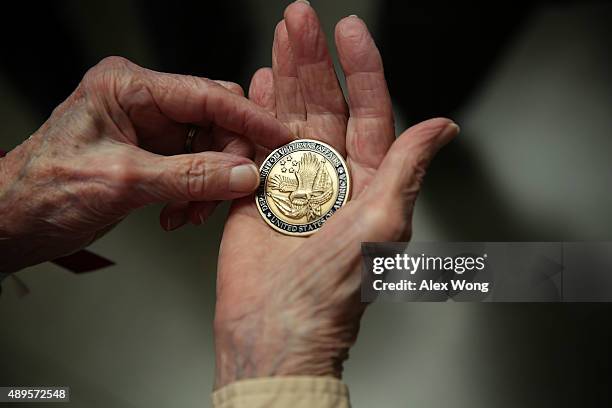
290, 305
104, 152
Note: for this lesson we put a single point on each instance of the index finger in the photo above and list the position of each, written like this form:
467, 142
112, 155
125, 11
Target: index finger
200, 101
186, 99
326, 112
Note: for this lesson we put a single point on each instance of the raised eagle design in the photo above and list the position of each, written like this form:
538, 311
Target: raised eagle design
309, 189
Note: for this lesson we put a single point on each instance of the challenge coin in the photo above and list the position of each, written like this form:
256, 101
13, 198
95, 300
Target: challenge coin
302, 184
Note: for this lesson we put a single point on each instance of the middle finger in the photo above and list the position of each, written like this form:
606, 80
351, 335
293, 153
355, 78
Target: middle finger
326, 110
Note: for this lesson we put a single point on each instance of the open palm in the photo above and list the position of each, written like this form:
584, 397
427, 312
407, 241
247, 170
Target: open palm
290, 305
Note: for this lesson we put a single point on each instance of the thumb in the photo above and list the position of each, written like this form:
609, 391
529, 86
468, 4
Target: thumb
402, 170
393, 191
203, 176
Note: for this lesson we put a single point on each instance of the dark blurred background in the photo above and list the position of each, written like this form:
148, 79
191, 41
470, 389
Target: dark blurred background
530, 84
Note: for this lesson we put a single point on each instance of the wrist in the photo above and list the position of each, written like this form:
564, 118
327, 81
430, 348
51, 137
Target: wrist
258, 349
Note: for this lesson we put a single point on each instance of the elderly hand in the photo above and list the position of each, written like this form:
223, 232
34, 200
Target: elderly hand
114, 145
291, 305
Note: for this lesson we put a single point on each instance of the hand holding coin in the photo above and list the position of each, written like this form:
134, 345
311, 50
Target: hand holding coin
288, 299
116, 145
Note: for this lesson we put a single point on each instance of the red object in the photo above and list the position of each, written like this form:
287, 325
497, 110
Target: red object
83, 261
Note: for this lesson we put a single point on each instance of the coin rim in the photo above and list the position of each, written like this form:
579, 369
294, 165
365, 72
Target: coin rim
346, 198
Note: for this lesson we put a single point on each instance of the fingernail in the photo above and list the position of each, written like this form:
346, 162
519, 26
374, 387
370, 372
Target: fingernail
303, 1
175, 220
244, 178
354, 16
451, 130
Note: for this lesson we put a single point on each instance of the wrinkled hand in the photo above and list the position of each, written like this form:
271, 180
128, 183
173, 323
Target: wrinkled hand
104, 152
291, 305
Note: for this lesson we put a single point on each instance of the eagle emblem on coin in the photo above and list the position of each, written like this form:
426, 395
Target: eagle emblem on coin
302, 184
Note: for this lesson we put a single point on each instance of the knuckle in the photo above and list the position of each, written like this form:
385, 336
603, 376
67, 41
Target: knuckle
196, 177
105, 73
231, 86
113, 62
418, 176
398, 228
376, 218
416, 168
121, 176
388, 221
237, 89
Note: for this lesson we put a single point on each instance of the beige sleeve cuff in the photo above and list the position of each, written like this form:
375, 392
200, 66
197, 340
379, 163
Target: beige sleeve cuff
283, 392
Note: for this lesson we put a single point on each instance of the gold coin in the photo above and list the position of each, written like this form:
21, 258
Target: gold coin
302, 184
